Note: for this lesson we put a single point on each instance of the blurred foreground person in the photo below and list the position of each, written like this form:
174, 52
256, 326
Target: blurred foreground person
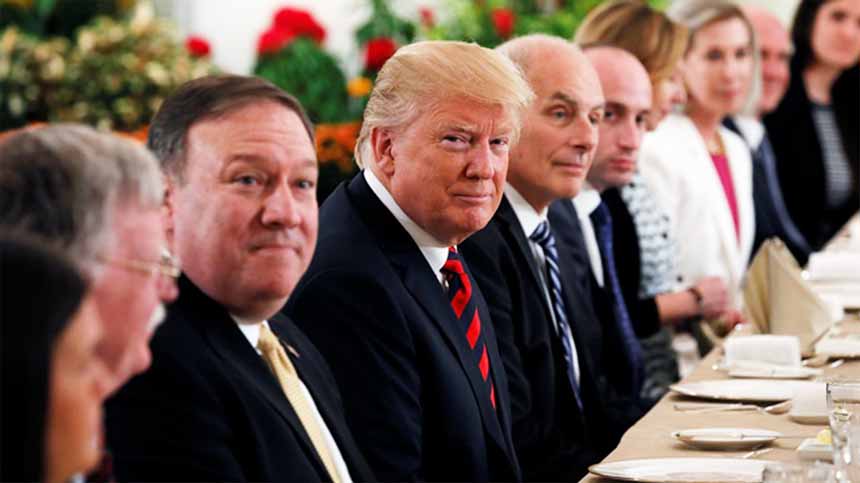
96, 197
52, 382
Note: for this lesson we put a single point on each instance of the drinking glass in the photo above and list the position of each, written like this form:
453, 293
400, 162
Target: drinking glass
843, 407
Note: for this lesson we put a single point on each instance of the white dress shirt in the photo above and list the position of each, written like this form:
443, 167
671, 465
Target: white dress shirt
251, 331
586, 202
529, 220
434, 251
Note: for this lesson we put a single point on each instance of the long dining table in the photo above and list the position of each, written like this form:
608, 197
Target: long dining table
651, 436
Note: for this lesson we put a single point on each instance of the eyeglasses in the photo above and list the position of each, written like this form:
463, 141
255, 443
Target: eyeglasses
167, 266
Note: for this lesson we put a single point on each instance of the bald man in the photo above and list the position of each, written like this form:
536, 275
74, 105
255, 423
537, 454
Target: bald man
563, 419
775, 48
771, 215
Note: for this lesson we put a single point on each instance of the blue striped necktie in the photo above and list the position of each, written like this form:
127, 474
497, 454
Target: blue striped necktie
602, 220
543, 236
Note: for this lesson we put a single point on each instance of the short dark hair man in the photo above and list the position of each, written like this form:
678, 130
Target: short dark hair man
235, 393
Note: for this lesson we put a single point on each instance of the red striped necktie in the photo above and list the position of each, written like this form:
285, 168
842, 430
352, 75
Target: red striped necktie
466, 311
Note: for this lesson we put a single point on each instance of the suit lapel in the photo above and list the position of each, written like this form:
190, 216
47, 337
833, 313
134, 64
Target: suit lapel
421, 282
509, 221
427, 292
225, 338
330, 412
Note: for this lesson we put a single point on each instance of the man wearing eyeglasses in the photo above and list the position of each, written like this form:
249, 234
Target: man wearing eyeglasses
97, 197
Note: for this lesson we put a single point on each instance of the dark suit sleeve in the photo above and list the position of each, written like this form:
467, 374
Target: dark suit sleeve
544, 453
357, 325
168, 425
647, 317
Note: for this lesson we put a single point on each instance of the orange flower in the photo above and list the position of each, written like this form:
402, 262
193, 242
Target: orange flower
359, 86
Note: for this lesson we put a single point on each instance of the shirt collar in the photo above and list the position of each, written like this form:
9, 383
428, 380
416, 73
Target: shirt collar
434, 251
587, 200
751, 129
250, 329
527, 216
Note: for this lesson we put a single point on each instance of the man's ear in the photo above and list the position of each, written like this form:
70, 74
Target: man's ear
382, 143
167, 210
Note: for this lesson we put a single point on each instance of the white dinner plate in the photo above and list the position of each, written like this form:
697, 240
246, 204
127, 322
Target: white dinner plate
773, 372
763, 390
725, 438
683, 470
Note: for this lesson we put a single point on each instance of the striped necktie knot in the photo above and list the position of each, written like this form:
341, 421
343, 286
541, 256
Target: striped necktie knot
542, 235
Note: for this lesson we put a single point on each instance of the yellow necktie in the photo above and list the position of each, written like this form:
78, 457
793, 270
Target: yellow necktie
284, 370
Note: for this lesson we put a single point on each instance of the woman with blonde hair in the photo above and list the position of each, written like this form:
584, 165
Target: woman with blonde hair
649, 35
701, 171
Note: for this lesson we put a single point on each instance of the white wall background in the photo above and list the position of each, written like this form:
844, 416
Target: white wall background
233, 27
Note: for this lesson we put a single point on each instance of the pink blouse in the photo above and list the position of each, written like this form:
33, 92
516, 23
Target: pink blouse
721, 163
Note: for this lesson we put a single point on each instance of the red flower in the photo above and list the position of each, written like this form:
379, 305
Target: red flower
197, 46
427, 18
273, 40
503, 21
379, 50
299, 22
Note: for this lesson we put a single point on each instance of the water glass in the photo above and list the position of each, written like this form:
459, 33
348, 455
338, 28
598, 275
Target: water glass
843, 407
798, 473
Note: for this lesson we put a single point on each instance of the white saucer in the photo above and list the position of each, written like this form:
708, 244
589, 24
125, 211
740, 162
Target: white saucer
809, 417
726, 438
774, 372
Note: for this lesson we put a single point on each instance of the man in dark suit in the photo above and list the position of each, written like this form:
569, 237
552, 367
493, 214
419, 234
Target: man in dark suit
387, 299
563, 417
772, 218
235, 393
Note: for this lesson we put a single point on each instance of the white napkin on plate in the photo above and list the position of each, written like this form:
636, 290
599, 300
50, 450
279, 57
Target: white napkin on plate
780, 350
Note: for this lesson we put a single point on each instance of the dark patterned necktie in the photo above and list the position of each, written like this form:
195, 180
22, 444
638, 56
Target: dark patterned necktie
602, 220
543, 236
466, 311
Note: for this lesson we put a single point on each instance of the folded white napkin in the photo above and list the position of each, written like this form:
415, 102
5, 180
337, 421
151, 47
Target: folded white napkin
780, 350
838, 346
834, 266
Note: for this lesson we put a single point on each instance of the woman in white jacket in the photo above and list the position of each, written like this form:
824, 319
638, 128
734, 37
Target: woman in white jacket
700, 172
